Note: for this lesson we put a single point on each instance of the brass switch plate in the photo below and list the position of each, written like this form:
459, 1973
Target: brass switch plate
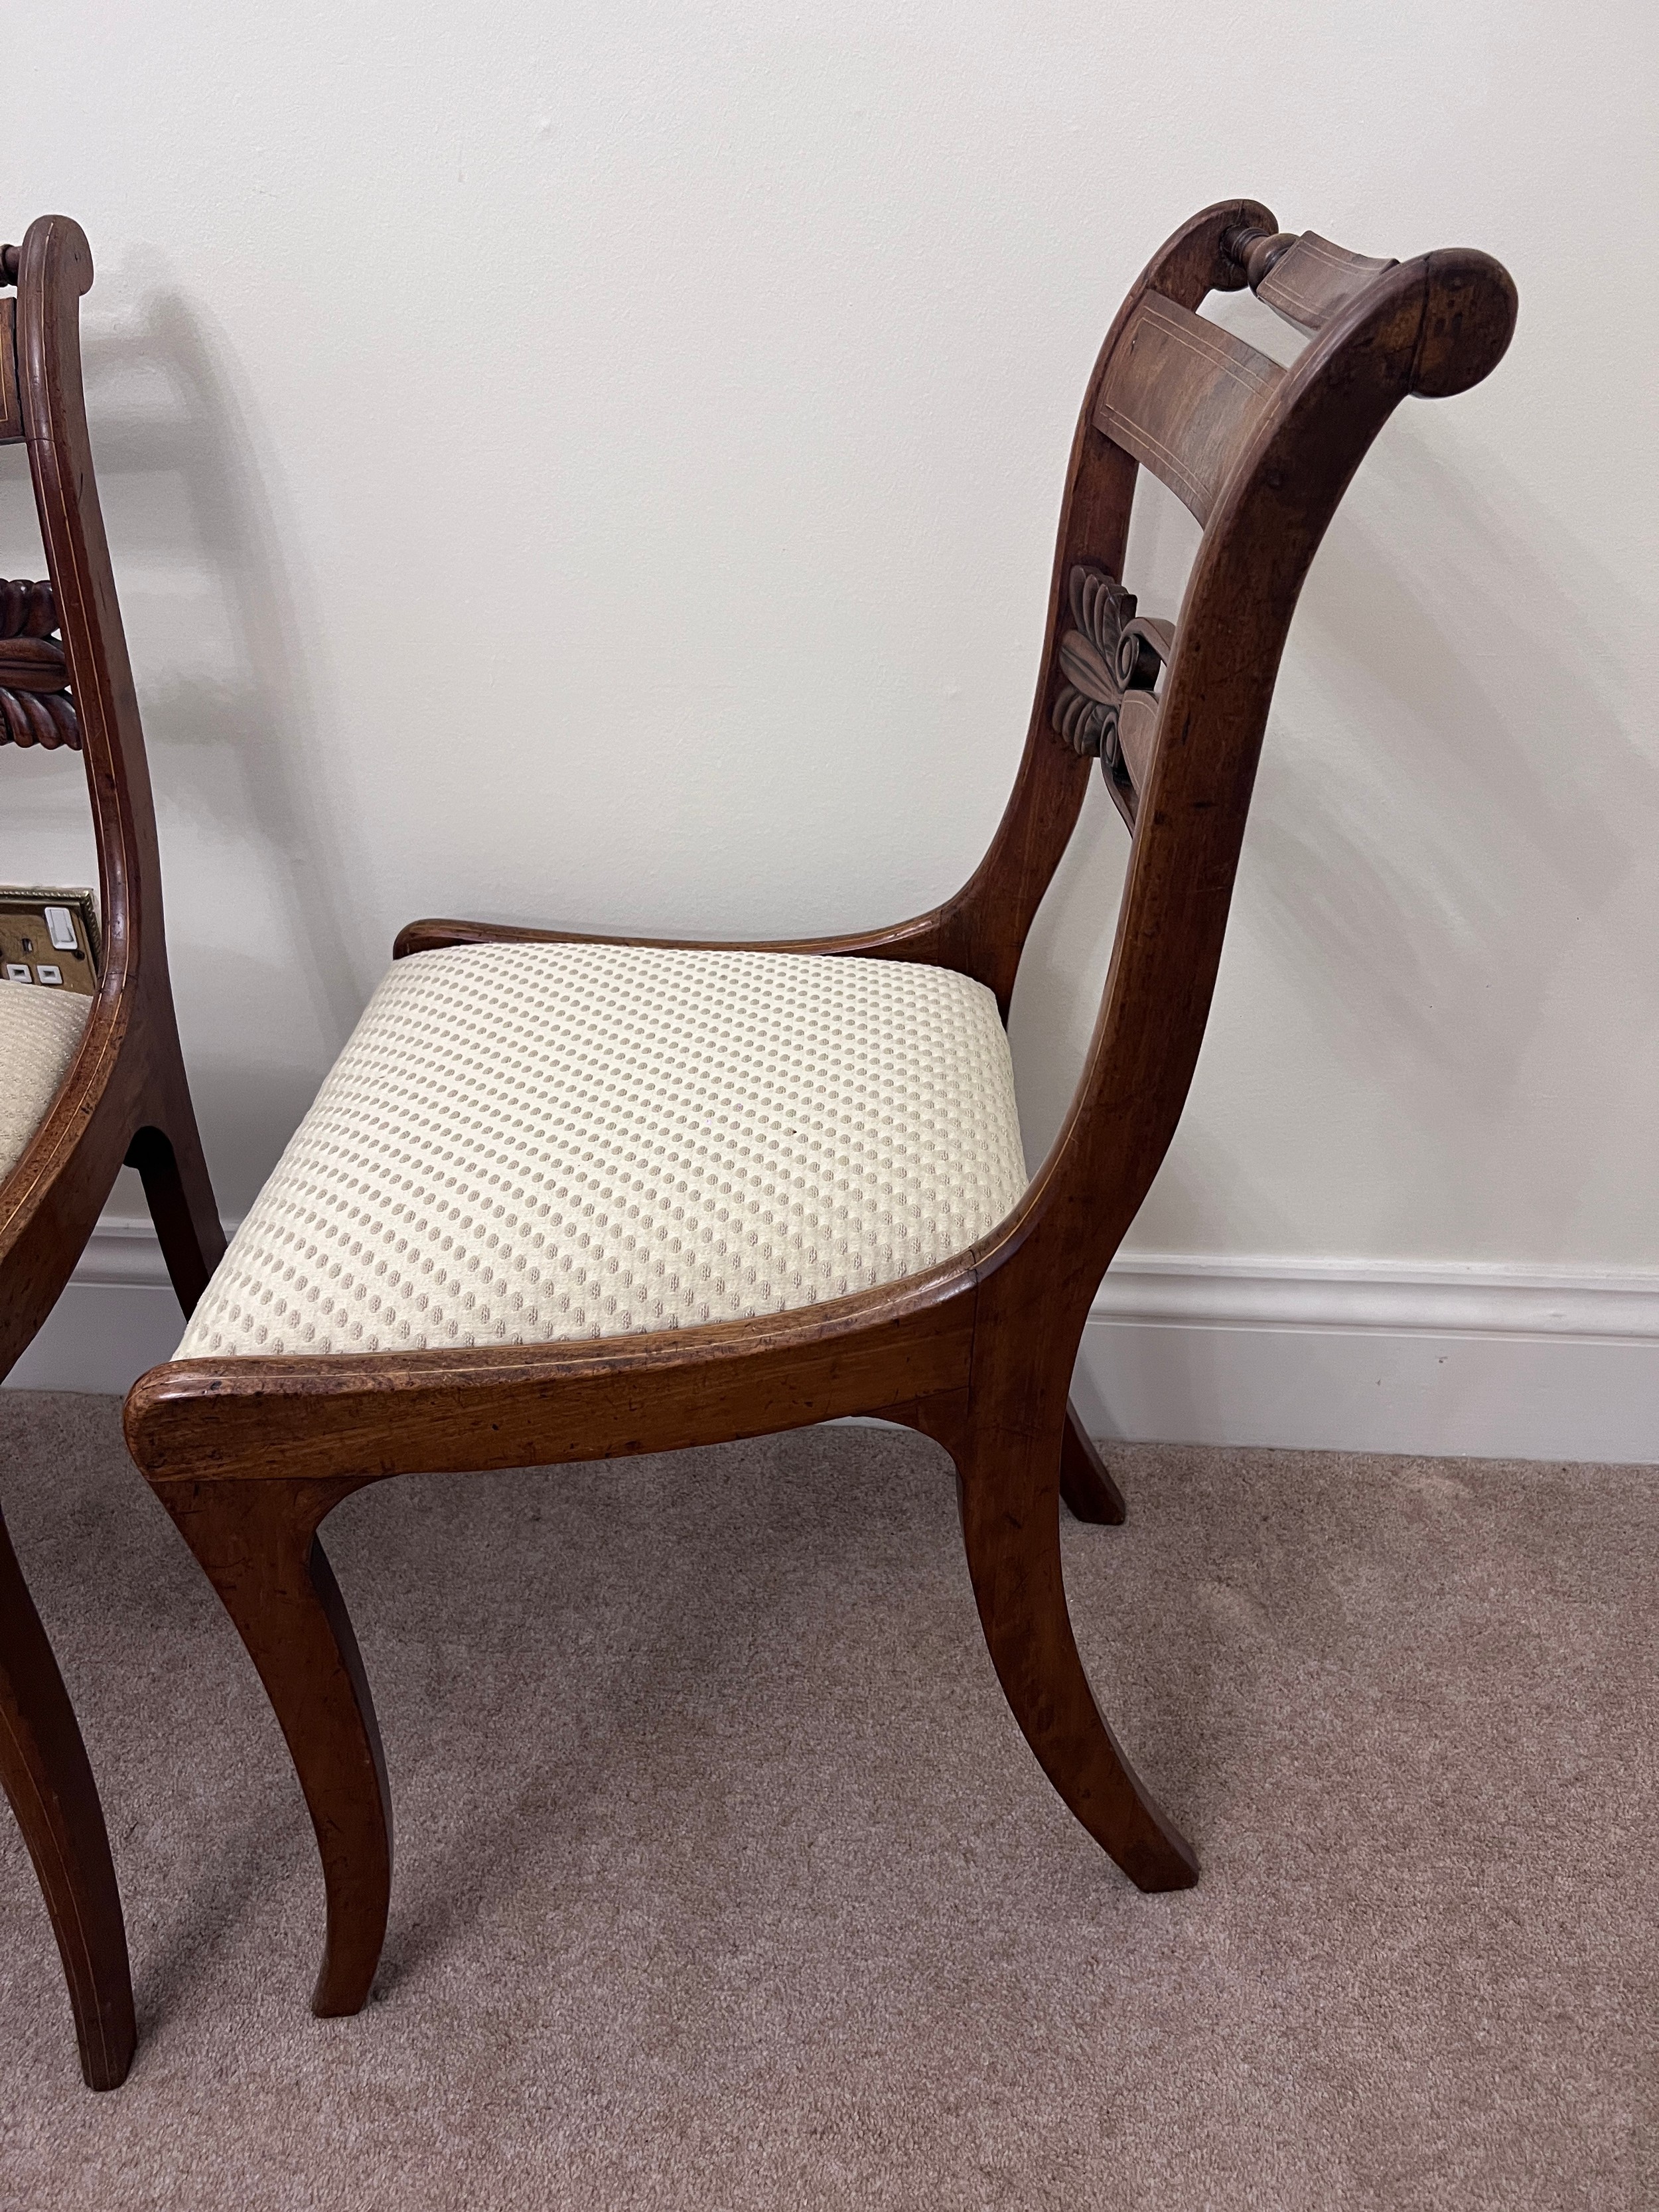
50, 939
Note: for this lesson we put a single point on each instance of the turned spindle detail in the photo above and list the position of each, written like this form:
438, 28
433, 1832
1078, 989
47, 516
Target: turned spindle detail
1301, 275
35, 706
1256, 251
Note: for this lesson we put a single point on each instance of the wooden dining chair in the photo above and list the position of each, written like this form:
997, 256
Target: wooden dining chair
87, 1080
565, 1198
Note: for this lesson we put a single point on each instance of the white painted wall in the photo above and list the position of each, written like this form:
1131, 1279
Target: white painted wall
599, 464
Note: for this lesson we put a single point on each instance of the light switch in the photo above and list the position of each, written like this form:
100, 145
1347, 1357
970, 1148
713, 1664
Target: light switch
60, 927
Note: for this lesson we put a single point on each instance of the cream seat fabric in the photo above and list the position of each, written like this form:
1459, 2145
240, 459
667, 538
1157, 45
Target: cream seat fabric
522, 1143
39, 1031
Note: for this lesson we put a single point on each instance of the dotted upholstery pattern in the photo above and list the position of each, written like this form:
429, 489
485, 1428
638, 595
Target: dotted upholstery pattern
40, 1031
522, 1143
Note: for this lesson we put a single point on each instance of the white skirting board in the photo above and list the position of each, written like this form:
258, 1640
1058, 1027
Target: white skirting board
1347, 1356
1479, 1361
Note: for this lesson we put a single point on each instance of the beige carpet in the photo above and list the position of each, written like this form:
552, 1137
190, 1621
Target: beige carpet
725, 1880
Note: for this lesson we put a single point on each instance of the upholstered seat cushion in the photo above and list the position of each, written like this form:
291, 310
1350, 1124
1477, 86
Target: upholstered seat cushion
522, 1143
39, 1031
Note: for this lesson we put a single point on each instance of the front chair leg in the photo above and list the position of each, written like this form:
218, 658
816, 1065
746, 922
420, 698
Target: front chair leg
1084, 1483
44, 1768
1010, 1496
257, 1543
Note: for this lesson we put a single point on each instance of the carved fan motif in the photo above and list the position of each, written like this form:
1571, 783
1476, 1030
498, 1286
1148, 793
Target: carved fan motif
1110, 661
35, 706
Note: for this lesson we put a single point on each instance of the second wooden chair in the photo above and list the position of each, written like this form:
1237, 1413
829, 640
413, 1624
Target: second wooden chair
87, 1082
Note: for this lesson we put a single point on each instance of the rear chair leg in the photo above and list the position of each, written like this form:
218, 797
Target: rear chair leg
1084, 1483
44, 1767
258, 1544
181, 1205
1009, 1496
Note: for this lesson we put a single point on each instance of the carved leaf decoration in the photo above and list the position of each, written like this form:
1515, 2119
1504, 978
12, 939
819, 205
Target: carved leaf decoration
1110, 661
1086, 712
35, 706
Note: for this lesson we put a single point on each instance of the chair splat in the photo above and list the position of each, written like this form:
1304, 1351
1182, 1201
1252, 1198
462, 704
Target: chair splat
11, 396
1111, 660
35, 706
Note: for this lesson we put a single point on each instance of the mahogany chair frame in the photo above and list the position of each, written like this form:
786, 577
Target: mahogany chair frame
249, 1455
125, 1098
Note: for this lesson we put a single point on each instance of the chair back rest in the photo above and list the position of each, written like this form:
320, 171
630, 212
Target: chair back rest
65, 679
1175, 711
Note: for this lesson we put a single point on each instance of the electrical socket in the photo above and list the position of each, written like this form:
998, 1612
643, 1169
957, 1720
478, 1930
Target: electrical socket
50, 937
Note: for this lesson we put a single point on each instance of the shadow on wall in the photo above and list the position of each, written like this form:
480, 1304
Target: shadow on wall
1057, 1003
1449, 796
257, 916
1424, 882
